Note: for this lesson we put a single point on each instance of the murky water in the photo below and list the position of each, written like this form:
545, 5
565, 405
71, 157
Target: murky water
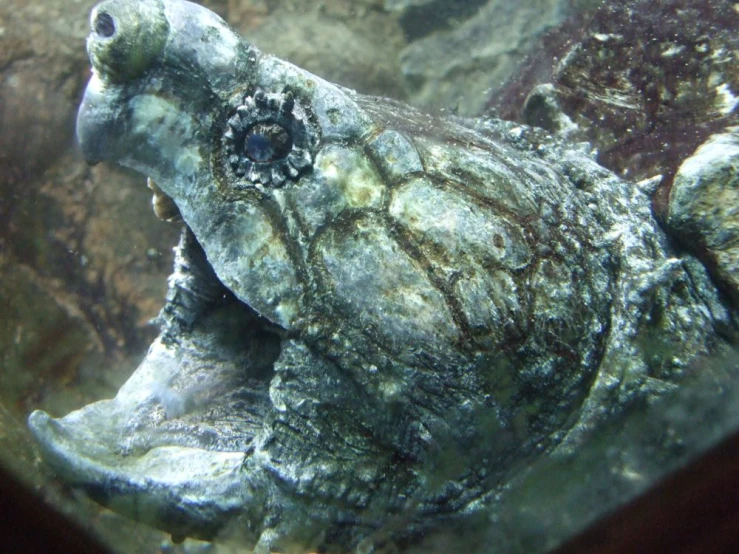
84, 262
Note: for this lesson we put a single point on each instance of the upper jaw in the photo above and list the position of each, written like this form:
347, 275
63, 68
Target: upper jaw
161, 72
149, 131
98, 123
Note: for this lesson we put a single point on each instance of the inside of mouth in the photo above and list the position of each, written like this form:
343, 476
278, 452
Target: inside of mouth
204, 384
217, 397
169, 449
214, 393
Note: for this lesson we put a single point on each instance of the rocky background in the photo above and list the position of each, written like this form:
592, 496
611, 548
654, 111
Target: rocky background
83, 260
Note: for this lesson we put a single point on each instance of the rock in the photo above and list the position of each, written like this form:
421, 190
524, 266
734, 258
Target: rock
457, 70
645, 82
42, 73
422, 17
46, 342
353, 44
703, 206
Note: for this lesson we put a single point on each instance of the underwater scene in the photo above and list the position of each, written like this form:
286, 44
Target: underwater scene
368, 276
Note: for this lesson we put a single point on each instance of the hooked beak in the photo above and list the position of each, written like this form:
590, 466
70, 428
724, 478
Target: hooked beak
98, 124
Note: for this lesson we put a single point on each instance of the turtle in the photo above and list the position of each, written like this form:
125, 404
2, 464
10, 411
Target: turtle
377, 317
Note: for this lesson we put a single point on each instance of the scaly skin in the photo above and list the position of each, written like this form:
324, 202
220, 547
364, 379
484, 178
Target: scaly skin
376, 315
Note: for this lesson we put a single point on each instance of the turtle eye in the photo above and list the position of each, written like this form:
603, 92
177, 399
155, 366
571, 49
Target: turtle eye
267, 142
269, 139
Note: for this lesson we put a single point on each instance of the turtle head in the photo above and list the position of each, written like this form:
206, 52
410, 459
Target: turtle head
157, 68
225, 131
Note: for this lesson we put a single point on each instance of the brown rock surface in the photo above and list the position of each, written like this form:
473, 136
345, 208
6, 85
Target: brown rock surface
703, 207
42, 70
645, 82
354, 44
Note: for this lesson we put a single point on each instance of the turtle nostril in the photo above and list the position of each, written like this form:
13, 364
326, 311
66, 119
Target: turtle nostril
104, 25
126, 37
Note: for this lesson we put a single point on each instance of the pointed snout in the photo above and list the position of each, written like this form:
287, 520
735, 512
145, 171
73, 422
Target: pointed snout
126, 38
98, 123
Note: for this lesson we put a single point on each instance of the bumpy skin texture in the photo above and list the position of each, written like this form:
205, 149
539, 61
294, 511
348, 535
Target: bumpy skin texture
376, 315
646, 82
703, 207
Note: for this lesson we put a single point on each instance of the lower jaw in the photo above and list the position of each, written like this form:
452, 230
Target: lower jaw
188, 492
169, 450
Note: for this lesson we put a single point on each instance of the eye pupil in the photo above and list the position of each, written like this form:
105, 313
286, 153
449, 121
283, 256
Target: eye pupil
104, 25
266, 142
258, 147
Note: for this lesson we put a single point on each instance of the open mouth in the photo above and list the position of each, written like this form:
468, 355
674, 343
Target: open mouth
170, 448
230, 426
